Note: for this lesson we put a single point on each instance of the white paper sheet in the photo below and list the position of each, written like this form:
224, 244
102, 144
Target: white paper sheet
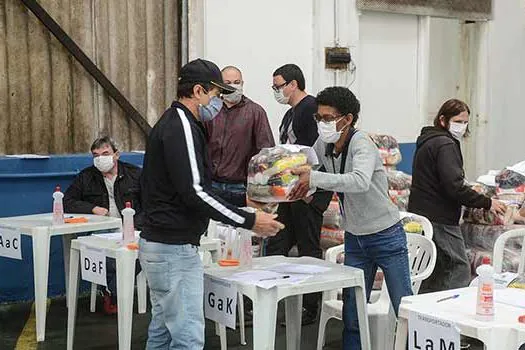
114, 236
267, 279
510, 296
288, 268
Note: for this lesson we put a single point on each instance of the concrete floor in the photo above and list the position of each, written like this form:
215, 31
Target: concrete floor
95, 331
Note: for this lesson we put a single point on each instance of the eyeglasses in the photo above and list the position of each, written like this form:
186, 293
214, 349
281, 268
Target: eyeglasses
326, 118
276, 88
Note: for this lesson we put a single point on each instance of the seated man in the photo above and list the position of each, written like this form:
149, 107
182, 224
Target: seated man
104, 189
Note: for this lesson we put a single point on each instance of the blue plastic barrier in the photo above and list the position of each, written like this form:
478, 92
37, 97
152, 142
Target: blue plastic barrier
26, 187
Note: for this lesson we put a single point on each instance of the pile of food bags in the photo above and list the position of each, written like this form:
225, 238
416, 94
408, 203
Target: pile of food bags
508, 186
388, 149
270, 177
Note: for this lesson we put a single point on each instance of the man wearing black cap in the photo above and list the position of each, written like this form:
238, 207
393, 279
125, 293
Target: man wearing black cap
178, 203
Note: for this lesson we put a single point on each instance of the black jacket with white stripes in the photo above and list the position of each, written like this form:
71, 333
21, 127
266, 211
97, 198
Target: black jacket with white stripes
176, 189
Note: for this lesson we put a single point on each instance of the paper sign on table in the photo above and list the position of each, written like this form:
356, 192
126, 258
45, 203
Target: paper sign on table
10, 243
431, 333
220, 301
93, 265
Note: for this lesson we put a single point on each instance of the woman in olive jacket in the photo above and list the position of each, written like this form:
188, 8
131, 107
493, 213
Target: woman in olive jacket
439, 190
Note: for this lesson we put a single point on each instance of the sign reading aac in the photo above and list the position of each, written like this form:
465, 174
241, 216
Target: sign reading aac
220, 301
10, 243
93, 265
431, 333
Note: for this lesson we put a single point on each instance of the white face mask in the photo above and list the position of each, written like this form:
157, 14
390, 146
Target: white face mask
458, 130
103, 163
328, 131
279, 97
234, 97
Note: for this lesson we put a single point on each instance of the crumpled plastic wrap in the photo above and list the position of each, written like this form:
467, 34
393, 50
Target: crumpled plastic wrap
480, 239
400, 198
486, 217
332, 215
388, 149
331, 237
270, 177
510, 180
398, 180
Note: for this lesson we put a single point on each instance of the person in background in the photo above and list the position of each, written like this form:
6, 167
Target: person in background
178, 203
240, 131
374, 236
103, 189
439, 190
303, 219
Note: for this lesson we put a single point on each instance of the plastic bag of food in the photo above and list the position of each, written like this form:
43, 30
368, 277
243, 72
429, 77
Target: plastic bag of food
400, 198
510, 180
332, 215
331, 237
398, 180
486, 217
270, 177
388, 149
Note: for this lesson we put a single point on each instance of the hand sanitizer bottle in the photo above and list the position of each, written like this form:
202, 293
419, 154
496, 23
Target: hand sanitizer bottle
485, 299
58, 207
128, 228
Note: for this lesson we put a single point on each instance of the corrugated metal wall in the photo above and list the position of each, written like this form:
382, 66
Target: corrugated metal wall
49, 104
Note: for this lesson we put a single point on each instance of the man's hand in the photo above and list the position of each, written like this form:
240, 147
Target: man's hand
498, 207
302, 186
100, 211
266, 225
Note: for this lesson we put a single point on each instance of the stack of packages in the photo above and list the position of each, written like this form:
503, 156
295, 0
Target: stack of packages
481, 227
398, 182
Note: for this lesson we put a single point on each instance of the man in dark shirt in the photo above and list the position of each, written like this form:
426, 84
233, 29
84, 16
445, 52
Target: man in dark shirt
103, 189
178, 204
239, 131
303, 219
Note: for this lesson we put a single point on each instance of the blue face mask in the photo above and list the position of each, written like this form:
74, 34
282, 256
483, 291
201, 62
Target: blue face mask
210, 111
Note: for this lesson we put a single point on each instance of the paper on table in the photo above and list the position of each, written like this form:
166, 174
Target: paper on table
114, 236
298, 268
510, 296
266, 279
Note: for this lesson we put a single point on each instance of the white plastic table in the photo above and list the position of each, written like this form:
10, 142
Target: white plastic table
503, 333
41, 229
125, 262
265, 300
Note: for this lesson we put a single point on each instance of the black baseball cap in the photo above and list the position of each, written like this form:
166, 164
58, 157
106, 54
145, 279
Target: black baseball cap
202, 71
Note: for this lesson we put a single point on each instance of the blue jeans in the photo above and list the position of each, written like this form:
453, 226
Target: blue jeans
175, 278
386, 249
235, 188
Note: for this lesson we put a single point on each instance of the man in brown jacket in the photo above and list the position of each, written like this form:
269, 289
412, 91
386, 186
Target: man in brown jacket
239, 131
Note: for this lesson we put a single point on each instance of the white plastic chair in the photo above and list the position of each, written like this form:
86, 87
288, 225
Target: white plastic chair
428, 230
499, 247
422, 260
142, 287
